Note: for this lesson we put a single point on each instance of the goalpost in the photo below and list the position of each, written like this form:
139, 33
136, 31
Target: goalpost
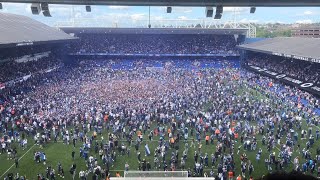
155, 175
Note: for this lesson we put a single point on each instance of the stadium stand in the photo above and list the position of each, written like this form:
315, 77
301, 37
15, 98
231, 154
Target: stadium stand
156, 41
294, 61
13, 70
17, 30
302, 70
27, 47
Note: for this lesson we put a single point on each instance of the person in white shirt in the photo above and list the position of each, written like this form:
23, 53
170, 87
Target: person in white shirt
82, 175
126, 167
296, 161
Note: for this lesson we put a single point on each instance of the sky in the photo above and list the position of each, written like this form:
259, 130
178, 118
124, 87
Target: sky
137, 16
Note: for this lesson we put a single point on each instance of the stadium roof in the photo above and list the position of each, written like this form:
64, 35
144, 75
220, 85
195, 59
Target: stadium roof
180, 2
298, 48
17, 30
155, 31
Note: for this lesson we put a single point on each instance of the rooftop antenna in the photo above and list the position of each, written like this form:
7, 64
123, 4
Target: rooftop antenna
73, 16
235, 15
149, 25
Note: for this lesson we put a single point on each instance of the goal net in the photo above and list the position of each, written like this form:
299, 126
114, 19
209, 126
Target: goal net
155, 174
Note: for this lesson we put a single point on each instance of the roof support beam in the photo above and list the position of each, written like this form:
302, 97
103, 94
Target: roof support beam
193, 3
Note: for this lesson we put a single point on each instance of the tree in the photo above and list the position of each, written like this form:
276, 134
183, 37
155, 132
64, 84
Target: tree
271, 32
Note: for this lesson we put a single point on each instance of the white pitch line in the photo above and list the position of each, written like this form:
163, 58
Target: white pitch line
277, 148
280, 150
18, 160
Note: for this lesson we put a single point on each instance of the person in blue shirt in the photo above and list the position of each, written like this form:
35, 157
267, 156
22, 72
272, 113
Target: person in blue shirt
81, 152
206, 160
310, 163
304, 167
43, 158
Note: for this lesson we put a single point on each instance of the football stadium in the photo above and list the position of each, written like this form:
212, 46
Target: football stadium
176, 99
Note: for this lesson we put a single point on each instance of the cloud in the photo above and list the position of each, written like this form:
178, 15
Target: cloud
139, 16
307, 12
157, 18
182, 9
16, 8
272, 21
185, 10
62, 10
14, 5
78, 15
245, 20
236, 9
304, 21
188, 11
182, 17
119, 7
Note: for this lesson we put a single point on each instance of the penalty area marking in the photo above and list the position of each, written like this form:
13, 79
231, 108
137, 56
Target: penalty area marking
18, 160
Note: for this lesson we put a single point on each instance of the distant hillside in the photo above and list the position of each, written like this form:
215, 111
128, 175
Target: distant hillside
279, 30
